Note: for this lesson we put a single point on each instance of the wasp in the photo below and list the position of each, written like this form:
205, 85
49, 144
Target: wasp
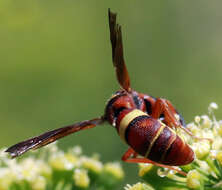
147, 124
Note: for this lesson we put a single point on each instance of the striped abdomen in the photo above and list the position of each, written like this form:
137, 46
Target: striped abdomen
153, 139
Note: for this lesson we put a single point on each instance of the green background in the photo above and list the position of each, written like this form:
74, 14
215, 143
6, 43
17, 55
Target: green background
56, 68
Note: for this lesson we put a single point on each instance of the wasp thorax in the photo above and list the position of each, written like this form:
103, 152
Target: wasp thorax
117, 103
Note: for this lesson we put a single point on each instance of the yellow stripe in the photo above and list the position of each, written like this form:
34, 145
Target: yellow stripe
169, 145
154, 139
173, 131
126, 120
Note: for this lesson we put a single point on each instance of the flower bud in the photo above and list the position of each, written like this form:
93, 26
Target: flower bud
193, 179
206, 122
76, 150
71, 158
201, 149
59, 161
217, 143
138, 186
197, 119
193, 128
144, 168
29, 168
92, 165
45, 169
81, 178
39, 183
213, 106
6, 178
114, 169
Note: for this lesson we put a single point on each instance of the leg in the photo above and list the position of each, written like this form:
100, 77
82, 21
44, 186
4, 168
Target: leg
163, 106
130, 152
193, 136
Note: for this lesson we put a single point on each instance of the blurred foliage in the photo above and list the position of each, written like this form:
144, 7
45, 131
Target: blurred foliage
56, 69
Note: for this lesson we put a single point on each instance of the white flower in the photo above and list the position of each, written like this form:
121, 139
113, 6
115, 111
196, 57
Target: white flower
92, 164
39, 183
206, 121
81, 178
213, 106
6, 178
138, 186
197, 119
193, 179
77, 150
114, 169
59, 161
201, 149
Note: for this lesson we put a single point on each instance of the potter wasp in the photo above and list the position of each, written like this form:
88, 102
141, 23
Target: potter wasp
147, 124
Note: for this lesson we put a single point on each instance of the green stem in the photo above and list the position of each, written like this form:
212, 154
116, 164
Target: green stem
212, 166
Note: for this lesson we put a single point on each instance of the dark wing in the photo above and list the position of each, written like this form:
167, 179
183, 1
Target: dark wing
117, 52
51, 136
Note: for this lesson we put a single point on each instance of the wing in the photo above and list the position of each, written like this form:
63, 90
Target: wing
117, 52
51, 136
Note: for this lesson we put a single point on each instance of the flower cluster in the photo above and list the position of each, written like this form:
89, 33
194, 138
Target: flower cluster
204, 173
52, 168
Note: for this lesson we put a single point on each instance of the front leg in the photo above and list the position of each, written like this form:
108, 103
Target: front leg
163, 106
171, 117
130, 156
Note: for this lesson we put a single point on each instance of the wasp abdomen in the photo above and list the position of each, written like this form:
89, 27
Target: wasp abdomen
153, 139
179, 153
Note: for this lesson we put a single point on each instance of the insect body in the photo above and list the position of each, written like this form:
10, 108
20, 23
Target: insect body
145, 123
146, 135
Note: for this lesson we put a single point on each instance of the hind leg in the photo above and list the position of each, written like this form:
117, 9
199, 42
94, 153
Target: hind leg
130, 156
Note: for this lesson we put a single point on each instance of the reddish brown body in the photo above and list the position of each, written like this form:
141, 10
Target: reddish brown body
142, 134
